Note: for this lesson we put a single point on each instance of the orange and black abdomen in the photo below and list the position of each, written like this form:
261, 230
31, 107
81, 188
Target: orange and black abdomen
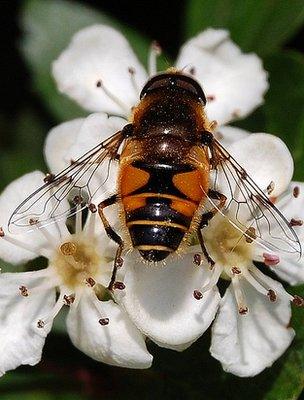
160, 200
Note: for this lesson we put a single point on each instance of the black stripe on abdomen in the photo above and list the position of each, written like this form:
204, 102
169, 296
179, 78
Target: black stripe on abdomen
156, 229
158, 209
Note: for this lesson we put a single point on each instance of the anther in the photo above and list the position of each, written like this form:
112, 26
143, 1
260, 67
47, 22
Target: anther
68, 248
250, 235
197, 295
272, 295
192, 71
68, 299
99, 83
49, 178
90, 282
270, 188
156, 47
119, 285
23, 291
33, 221
295, 222
296, 191
2, 234
298, 301
40, 324
243, 310
210, 97
104, 321
197, 259
119, 262
236, 271
236, 113
77, 200
131, 70
271, 259
92, 208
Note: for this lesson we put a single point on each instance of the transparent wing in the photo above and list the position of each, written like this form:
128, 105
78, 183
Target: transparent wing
69, 191
249, 208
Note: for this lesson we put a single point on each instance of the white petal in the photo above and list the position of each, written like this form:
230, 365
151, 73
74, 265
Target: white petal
118, 343
247, 344
21, 340
237, 81
95, 129
100, 53
289, 268
265, 158
58, 142
10, 198
230, 134
179, 347
159, 300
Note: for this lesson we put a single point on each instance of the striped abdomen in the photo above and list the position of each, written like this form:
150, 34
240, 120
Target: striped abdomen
160, 201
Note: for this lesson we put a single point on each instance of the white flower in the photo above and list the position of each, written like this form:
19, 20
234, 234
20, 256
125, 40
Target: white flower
78, 272
100, 71
160, 300
251, 328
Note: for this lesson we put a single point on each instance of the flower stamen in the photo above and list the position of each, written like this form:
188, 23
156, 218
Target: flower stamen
267, 282
23, 291
215, 276
298, 301
68, 299
239, 296
272, 295
42, 322
21, 244
52, 240
296, 192
155, 51
78, 222
97, 304
119, 285
115, 99
104, 321
295, 222
197, 295
197, 259
271, 259
132, 73
90, 282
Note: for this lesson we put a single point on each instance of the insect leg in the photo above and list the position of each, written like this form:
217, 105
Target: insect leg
214, 195
210, 261
206, 217
112, 235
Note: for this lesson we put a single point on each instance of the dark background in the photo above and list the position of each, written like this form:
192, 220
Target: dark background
157, 19
62, 363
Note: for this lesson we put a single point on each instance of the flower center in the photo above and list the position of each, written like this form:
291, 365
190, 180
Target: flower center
77, 262
227, 246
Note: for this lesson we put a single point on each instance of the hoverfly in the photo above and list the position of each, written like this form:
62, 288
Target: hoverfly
169, 167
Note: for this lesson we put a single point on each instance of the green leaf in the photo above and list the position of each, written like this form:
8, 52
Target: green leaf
49, 26
21, 149
282, 114
256, 25
284, 103
35, 385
